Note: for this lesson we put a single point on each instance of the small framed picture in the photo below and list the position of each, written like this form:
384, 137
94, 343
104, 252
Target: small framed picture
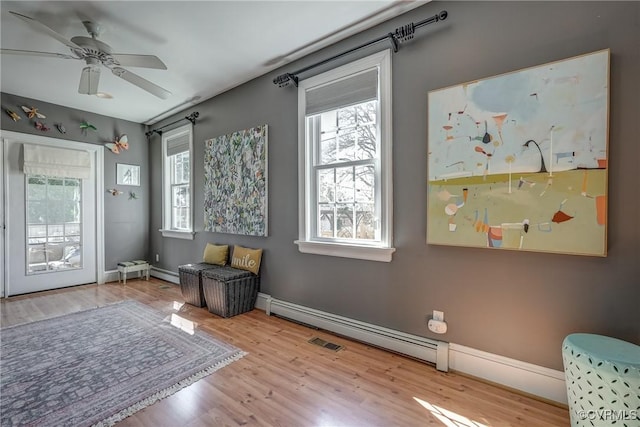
127, 174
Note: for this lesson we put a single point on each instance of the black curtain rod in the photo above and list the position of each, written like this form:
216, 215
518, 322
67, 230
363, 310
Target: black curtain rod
400, 35
191, 117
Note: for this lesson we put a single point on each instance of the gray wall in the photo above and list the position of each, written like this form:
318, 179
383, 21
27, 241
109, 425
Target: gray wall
520, 305
126, 226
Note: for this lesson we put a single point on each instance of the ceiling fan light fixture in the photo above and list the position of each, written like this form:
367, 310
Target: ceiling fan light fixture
96, 53
89, 80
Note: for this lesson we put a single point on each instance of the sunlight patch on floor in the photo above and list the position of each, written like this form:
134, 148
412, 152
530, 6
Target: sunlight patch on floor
448, 418
177, 305
181, 323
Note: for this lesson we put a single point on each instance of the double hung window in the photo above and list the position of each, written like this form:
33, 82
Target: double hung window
345, 161
177, 212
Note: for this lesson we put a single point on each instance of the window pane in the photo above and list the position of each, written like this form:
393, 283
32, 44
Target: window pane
344, 184
180, 218
346, 145
72, 229
56, 211
326, 221
36, 258
55, 231
365, 221
37, 231
36, 188
326, 185
180, 168
366, 112
53, 223
365, 184
56, 189
327, 147
185, 168
344, 221
180, 196
346, 117
72, 189
71, 211
366, 145
37, 212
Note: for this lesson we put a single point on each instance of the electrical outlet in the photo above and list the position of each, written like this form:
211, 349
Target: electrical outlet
157, 257
438, 315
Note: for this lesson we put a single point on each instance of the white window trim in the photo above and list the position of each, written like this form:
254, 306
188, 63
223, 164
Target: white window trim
306, 243
166, 183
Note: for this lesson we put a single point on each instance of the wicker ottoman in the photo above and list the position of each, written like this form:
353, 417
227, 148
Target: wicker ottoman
229, 291
191, 282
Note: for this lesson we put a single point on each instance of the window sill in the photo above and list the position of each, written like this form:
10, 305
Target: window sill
370, 253
187, 235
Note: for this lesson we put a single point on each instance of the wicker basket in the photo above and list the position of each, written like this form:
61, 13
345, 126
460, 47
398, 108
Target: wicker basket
191, 282
229, 291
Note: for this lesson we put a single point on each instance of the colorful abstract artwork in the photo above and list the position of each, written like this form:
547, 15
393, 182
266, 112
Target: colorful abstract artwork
519, 161
235, 183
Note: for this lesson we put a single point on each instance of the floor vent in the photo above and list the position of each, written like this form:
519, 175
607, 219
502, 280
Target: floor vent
325, 344
164, 286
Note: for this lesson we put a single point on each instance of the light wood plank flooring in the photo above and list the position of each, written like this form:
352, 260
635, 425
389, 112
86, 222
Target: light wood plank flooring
286, 381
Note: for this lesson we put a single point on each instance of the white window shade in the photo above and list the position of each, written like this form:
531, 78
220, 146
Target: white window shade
355, 89
178, 144
61, 162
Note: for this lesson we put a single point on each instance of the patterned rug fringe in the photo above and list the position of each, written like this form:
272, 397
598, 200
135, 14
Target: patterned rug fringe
112, 420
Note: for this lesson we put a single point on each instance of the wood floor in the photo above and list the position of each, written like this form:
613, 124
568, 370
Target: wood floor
286, 381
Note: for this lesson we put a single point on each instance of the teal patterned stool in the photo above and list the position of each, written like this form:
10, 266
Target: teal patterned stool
603, 381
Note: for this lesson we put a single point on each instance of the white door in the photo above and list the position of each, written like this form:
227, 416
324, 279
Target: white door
51, 221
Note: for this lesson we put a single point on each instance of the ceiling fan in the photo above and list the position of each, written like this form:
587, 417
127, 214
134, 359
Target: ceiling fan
94, 52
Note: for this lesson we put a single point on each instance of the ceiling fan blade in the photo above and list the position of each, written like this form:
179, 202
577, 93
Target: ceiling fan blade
36, 53
144, 61
142, 83
89, 80
43, 28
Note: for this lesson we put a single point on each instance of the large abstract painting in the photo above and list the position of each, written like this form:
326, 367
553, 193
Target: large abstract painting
235, 183
519, 161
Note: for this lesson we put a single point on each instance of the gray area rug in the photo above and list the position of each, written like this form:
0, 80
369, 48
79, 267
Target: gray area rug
97, 367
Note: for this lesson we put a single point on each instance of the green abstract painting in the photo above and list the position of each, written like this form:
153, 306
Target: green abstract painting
235, 183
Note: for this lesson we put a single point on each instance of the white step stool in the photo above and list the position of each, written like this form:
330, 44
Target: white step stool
124, 267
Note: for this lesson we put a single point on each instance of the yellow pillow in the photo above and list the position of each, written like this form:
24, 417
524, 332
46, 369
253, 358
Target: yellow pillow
246, 259
216, 254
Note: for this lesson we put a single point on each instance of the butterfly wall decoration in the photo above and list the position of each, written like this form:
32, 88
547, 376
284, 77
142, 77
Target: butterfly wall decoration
84, 125
114, 191
119, 144
33, 112
15, 117
41, 126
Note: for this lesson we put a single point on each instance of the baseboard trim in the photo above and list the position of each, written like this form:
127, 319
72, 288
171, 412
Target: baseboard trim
534, 380
515, 374
111, 276
263, 302
167, 275
418, 347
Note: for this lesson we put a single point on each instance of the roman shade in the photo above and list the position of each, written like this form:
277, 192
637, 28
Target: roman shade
351, 90
53, 161
178, 144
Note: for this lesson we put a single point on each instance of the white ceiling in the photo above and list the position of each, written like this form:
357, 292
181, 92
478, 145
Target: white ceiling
208, 46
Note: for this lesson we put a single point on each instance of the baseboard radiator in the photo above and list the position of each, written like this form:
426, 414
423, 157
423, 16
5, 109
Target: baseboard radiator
421, 348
